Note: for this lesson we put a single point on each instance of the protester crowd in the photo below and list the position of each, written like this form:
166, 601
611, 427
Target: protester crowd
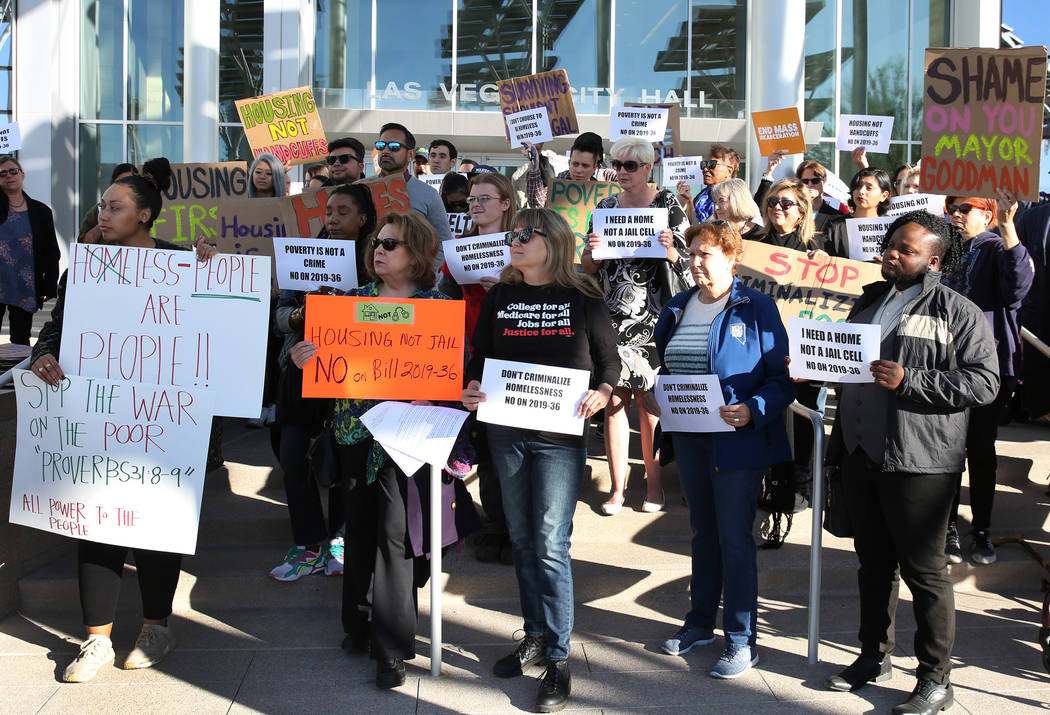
950, 307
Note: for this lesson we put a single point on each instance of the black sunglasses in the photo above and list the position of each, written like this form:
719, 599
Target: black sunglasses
522, 236
812, 181
392, 146
341, 159
709, 164
628, 166
784, 204
388, 244
959, 208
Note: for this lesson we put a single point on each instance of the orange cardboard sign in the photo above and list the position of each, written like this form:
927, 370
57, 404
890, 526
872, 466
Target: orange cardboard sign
389, 194
384, 348
779, 129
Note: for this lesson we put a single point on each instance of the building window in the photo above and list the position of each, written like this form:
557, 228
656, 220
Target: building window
7, 10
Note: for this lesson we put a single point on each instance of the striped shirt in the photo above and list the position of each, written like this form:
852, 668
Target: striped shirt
686, 352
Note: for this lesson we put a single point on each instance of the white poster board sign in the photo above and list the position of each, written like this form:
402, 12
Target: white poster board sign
865, 236
10, 138
648, 123
531, 125
308, 263
529, 396
112, 462
629, 233
471, 259
689, 403
459, 223
432, 180
682, 168
833, 352
164, 318
905, 203
864, 130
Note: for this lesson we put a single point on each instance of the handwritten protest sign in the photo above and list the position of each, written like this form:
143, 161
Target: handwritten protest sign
833, 352
779, 130
191, 204
112, 462
865, 236
689, 403
983, 121
905, 203
546, 89
575, 200
471, 259
169, 320
670, 144
864, 130
248, 226
530, 396
802, 287
459, 223
384, 349
629, 233
389, 194
529, 125
308, 263
10, 138
285, 124
648, 123
683, 168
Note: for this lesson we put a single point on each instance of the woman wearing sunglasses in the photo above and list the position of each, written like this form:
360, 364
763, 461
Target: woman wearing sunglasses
540, 472
385, 517
635, 291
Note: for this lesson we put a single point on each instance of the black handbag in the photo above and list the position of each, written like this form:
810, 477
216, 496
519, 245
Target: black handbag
670, 280
324, 459
836, 517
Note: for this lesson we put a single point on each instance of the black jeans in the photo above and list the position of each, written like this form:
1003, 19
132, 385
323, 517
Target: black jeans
302, 492
20, 323
899, 520
981, 434
99, 569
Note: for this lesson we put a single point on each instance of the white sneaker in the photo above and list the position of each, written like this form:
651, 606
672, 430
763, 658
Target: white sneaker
333, 558
95, 652
154, 642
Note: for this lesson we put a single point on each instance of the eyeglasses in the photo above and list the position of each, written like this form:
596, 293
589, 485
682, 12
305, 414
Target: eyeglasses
710, 164
8, 172
718, 222
522, 236
784, 204
388, 244
392, 146
812, 181
333, 159
629, 166
951, 210
483, 199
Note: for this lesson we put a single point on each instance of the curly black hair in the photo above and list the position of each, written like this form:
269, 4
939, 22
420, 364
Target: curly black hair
949, 238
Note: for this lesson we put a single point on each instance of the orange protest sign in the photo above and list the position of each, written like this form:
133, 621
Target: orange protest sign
779, 129
285, 124
389, 194
384, 348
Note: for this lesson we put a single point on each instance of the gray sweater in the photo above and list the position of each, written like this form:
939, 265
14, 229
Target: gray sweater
427, 201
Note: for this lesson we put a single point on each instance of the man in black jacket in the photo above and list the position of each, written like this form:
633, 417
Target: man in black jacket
900, 442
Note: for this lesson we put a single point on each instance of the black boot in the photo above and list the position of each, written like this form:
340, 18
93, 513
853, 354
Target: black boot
554, 688
862, 671
532, 649
390, 673
927, 698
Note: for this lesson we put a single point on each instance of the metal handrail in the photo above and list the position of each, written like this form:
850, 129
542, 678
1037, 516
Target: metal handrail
9, 376
1034, 341
816, 419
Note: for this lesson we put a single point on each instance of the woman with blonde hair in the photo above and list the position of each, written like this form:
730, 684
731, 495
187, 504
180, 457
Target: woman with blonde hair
788, 218
540, 472
733, 203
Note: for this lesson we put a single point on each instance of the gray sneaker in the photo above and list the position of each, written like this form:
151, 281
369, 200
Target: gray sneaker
982, 552
686, 638
95, 652
154, 642
734, 662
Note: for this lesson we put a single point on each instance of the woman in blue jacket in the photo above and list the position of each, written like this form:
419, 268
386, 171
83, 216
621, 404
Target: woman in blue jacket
724, 328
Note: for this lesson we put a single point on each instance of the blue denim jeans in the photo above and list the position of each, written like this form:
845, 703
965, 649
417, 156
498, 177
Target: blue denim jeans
725, 565
540, 483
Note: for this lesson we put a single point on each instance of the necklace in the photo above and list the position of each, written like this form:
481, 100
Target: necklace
17, 207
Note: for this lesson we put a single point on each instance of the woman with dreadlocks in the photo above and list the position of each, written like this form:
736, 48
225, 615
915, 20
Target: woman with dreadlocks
899, 442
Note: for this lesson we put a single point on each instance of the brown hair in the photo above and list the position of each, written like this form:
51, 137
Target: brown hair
720, 234
815, 166
805, 226
726, 154
420, 240
561, 250
505, 189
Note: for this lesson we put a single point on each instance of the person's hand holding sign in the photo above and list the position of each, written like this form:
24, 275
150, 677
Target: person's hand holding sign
887, 374
302, 353
666, 239
472, 395
48, 369
735, 415
593, 241
594, 400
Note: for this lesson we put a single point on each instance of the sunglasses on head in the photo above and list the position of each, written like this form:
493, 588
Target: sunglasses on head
341, 159
812, 181
522, 236
392, 146
951, 210
628, 166
784, 204
388, 244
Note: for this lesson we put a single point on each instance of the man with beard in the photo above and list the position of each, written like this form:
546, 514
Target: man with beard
346, 161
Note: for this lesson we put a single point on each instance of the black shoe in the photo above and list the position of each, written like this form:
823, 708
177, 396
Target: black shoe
357, 643
390, 673
532, 649
927, 698
983, 552
487, 547
506, 553
862, 671
554, 687
952, 547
